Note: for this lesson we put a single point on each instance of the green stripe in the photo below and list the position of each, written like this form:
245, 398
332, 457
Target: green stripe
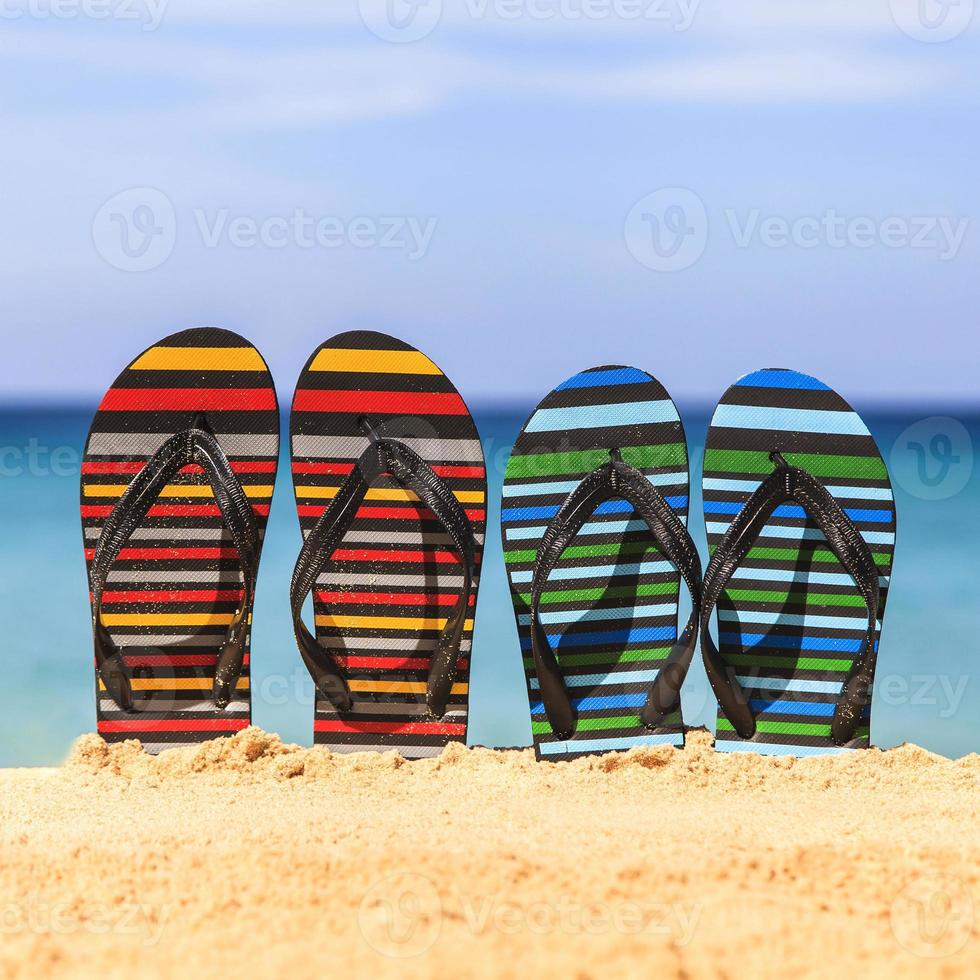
792, 728
818, 464
604, 724
584, 461
794, 599
584, 551
803, 663
821, 553
619, 592
647, 655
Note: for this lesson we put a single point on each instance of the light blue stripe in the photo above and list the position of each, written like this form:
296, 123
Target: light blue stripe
601, 615
604, 527
788, 420
766, 748
783, 684
678, 480
803, 576
608, 744
598, 680
598, 571
752, 617
804, 533
797, 513
777, 378
844, 492
601, 416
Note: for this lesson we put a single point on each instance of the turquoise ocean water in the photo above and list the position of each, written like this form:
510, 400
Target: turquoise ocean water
928, 685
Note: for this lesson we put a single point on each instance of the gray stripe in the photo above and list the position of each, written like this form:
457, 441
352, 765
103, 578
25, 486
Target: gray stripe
456, 712
210, 640
108, 706
147, 443
177, 577
407, 645
402, 537
417, 581
172, 534
351, 447
408, 751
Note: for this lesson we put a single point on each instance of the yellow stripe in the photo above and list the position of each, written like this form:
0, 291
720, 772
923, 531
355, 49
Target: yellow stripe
373, 361
166, 619
385, 622
173, 490
328, 493
399, 687
177, 684
200, 359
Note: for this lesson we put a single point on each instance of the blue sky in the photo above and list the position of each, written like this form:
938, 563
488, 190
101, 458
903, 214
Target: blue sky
477, 189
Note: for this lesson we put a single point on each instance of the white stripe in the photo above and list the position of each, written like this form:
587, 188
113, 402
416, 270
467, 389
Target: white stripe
351, 447
608, 744
599, 680
678, 480
774, 748
174, 706
845, 493
749, 617
176, 577
602, 615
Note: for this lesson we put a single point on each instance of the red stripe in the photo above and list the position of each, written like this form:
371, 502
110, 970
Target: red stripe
399, 402
170, 554
173, 510
188, 399
439, 557
203, 595
390, 727
389, 599
390, 663
342, 469
175, 660
99, 468
387, 513
176, 725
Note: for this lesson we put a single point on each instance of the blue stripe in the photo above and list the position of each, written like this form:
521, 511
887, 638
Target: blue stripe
608, 507
777, 378
823, 644
612, 376
795, 512
643, 634
599, 704
815, 708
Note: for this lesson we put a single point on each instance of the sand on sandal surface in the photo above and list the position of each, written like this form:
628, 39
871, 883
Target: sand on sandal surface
246, 857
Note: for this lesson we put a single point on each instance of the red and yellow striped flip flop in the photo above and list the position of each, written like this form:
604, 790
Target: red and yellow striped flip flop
177, 481
390, 486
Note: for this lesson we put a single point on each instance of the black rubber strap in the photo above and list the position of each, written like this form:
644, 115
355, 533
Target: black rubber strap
383, 457
615, 479
790, 483
193, 445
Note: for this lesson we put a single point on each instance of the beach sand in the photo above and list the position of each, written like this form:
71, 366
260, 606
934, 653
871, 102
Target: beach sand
247, 857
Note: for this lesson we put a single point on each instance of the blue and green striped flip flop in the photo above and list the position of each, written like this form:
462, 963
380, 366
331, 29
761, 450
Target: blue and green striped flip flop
595, 541
800, 519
